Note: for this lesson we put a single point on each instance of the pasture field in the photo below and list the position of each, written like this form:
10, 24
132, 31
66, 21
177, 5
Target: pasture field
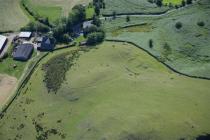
114, 91
53, 9
12, 17
7, 84
6, 67
172, 1
186, 49
131, 6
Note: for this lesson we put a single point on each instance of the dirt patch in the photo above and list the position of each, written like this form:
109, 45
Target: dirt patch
7, 84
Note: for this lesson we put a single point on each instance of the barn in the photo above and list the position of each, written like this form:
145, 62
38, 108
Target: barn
23, 52
3, 41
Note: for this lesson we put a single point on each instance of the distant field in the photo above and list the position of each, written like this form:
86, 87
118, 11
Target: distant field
53, 9
7, 84
131, 6
187, 49
172, 1
12, 17
115, 92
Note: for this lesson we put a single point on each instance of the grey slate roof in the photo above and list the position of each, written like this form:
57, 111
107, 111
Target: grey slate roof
46, 44
23, 52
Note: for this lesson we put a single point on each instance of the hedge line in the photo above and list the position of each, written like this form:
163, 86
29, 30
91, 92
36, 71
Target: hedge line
34, 15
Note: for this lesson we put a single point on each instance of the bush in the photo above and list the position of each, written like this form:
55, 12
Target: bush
178, 25
66, 38
159, 3
189, 2
151, 43
92, 29
183, 3
127, 18
201, 23
95, 38
96, 21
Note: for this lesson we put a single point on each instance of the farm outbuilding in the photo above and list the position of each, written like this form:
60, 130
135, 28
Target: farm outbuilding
3, 41
46, 44
23, 52
25, 35
87, 24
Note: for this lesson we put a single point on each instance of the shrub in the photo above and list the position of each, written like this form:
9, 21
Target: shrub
183, 3
151, 43
66, 38
127, 18
96, 21
189, 2
201, 23
114, 14
159, 3
178, 25
95, 38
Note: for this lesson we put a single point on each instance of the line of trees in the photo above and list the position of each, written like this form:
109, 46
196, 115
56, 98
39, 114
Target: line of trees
98, 4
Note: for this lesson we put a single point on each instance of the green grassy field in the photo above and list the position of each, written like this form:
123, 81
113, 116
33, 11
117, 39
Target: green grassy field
131, 6
115, 92
172, 1
188, 47
12, 17
53, 9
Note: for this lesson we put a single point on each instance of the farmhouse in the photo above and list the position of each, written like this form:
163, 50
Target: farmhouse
25, 35
45, 44
3, 41
23, 52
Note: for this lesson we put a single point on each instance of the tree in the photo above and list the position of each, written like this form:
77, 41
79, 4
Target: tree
95, 38
114, 14
96, 21
183, 3
58, 32
201, 23
127, 18
189, 2
104, 5
90, 29
159, 3
178, 25
151, 43
66, 38
97, 10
